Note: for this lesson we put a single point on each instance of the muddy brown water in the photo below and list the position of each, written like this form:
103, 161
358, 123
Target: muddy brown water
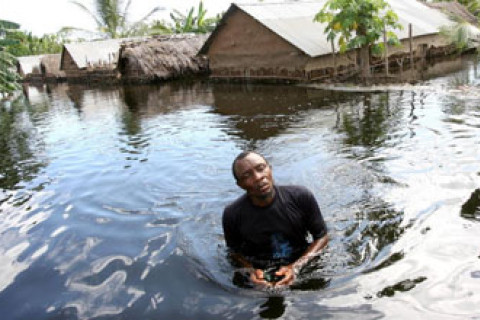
111, 200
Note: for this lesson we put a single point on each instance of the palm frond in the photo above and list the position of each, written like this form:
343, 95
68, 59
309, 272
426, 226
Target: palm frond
86, 10
5, 24
74, 29
126, 11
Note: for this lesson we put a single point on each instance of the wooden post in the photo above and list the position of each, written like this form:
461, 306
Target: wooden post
385, 43
410, 36
334, 59
400, 64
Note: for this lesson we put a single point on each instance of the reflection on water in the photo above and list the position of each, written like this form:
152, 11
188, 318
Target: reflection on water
273, 308
111, 200
257, 113
369, 123
403, 286
471, 208
20, 145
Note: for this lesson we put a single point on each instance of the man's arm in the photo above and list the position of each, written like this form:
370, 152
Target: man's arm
256, 275
288, 272
233, 241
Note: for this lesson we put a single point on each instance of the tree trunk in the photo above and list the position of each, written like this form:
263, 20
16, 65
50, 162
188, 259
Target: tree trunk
365, 62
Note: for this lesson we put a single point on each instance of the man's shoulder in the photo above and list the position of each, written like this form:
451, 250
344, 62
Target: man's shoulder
296, 193
294, 190
236, 204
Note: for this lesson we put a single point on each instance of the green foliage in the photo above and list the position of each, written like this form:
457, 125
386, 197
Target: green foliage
8, 75
358, 23
161, 27
472, 5
5, 25
195, 21
460, 34
23, 43
112, 21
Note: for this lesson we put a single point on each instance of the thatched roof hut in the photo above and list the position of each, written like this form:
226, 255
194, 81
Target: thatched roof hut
94, 61
50, 67
29, 67
161, 58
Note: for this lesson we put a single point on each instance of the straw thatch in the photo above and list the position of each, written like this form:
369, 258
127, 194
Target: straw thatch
162, 58
50, 67
454, 9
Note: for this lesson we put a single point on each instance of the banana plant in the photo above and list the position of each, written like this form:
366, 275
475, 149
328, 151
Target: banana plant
6, 27
8, 76
193, 21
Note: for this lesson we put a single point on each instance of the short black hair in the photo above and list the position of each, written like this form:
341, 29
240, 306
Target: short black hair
242, 155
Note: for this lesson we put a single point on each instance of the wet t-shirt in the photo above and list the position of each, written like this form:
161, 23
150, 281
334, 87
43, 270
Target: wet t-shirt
277, 232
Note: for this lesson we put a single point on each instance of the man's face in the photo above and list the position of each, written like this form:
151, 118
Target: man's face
255, 176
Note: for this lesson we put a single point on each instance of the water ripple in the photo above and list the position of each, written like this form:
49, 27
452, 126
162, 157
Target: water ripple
111, 200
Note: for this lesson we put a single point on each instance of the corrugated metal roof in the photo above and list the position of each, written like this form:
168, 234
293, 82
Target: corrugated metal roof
94, 52
294, 21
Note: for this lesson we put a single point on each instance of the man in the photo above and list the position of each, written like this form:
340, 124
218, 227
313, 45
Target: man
269, 224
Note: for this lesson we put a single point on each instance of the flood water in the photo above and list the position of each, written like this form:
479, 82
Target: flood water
111, 200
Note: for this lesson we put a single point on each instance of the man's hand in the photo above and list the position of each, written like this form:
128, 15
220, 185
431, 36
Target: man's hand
256, 276
288, 273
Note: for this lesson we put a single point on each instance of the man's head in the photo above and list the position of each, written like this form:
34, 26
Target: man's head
253, 174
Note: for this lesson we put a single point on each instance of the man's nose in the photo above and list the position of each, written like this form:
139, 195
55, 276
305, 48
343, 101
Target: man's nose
258, 175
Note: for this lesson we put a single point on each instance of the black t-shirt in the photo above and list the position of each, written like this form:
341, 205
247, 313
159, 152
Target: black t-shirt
276, 232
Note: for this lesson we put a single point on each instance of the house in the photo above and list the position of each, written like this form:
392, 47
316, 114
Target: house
162, 58
29, 68
40, 68
281, 41
50, 68
94, 61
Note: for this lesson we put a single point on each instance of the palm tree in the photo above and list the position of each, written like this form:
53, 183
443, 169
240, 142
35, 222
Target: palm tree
112, 21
